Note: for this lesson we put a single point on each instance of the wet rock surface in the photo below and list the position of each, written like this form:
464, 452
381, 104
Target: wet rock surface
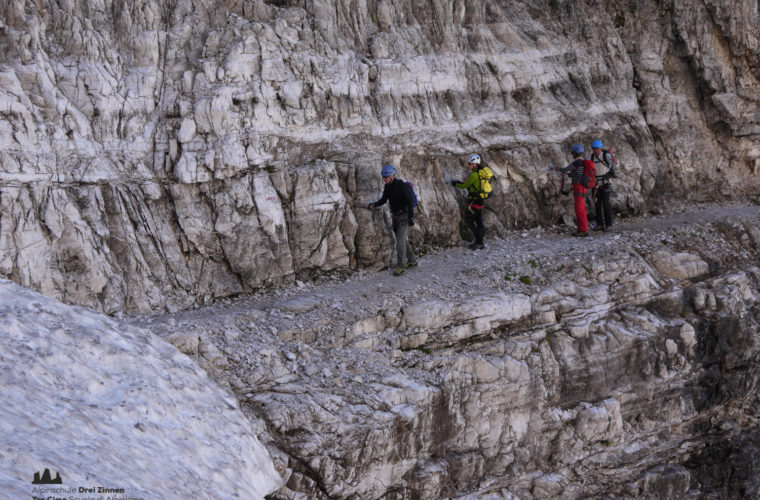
545, 366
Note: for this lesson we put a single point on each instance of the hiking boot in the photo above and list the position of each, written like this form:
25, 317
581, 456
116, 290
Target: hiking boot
476, 246
600, 228
412, 265
581, 234
398, 271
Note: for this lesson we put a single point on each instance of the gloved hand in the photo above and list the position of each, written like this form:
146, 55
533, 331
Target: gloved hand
369, 205
411, 222
455, 182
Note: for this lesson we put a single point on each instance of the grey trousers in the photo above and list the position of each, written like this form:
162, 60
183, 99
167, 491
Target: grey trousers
403, 248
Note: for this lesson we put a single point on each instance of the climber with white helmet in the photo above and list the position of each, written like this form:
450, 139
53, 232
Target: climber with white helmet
478, 186
401, 199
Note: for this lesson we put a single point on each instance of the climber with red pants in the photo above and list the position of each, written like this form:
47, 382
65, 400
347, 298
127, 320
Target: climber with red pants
582, 174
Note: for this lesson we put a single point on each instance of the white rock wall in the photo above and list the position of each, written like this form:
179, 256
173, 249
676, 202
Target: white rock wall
154, 155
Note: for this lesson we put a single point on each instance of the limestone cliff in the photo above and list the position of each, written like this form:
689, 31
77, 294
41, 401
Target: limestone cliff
159, 154
625, 365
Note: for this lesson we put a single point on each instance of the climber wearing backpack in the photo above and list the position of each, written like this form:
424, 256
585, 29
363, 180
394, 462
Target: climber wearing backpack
583, 174
478, 186
401, 198
605, 163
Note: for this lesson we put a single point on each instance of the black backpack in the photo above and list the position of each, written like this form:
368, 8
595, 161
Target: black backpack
610, 167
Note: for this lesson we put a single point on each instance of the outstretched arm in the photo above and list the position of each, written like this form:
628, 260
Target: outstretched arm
471, 179
381, 201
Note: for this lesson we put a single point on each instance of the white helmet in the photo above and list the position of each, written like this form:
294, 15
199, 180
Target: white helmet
474, 158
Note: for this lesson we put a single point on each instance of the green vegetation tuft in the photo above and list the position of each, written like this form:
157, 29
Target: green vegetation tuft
532, 263
526, 280
420, 348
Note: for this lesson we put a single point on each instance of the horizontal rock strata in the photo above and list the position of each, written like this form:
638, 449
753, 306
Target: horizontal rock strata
620, 365
156, 155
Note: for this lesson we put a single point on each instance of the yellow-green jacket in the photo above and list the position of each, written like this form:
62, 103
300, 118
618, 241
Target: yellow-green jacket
471, 184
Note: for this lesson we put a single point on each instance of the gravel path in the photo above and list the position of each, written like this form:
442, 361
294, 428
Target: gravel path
520, 262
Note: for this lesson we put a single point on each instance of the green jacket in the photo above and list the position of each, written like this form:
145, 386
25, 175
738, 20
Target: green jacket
471, 184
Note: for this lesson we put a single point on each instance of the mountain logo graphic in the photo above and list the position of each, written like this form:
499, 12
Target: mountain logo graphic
46, 479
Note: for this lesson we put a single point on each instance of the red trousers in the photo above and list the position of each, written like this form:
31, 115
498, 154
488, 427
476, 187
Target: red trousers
579, 198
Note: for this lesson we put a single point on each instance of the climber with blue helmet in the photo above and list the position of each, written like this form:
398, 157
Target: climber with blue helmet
388, 171
605, 162
400, 197
478, 186
583, 175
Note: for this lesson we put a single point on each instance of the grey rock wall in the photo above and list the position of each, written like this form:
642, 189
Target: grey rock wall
626, 366
155, 155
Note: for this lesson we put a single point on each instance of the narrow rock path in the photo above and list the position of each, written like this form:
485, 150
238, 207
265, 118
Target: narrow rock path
516, 263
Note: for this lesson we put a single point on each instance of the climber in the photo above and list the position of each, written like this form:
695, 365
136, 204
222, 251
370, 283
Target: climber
399, 195
605, 164
582, 174
478, 188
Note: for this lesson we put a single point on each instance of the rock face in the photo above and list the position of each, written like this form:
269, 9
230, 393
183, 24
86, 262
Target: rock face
154, 154
117, 408
619, 366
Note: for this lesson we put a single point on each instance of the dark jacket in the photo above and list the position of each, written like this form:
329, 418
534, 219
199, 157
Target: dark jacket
575, 170
399, 195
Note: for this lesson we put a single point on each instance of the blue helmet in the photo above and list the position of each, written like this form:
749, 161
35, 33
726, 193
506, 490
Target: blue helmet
388, 170
474, 158
596, 144
577, 148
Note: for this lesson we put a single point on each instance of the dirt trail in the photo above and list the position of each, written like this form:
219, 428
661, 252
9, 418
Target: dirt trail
520, 262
